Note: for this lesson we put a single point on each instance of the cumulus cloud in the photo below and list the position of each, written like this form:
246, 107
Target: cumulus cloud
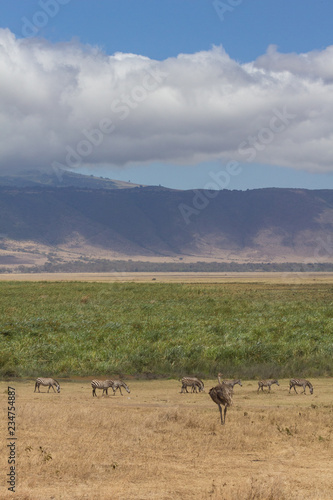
70, 105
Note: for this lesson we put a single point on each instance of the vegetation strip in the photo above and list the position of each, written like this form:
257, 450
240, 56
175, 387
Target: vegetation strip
248, 330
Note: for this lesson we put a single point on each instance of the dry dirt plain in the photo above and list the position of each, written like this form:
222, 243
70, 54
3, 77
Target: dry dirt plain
156, 443
178, 277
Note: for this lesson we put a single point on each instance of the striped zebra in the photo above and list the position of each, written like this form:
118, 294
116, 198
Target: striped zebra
230, 383
300, 382
48, 382
196, 387
118, 384
266, 383
101, 384
193, 382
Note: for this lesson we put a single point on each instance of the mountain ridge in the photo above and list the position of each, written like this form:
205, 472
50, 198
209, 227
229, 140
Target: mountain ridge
156, 223
61, 178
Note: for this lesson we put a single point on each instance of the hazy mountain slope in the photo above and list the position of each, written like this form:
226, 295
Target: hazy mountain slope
257, 225
60, 178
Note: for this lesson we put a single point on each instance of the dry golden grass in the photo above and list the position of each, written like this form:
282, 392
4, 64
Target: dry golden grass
156, 443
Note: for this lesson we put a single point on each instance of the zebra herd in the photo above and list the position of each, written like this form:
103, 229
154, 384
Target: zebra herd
221, 394
299, 382
95, 384
105, 384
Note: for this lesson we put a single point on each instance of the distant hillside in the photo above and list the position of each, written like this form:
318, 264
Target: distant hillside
61, 178
262, 225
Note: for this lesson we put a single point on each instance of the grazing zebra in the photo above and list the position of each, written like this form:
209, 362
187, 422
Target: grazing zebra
193, 382
222, 395
101, 384
118, 384
230, 383
196, 387
300, 382
266, 383
50, 382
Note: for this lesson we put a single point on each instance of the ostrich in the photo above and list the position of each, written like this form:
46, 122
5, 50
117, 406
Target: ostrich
222, 395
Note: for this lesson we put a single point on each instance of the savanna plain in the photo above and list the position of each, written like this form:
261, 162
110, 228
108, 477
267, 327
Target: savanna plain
156, 442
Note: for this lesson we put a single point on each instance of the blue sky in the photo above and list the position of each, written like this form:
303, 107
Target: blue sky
209, 107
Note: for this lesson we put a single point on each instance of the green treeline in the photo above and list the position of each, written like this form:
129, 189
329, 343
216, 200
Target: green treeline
244, 330
84, 264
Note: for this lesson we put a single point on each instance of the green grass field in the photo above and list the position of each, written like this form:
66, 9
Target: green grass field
247, 330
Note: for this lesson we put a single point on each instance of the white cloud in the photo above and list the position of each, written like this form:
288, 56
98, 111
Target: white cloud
74, 105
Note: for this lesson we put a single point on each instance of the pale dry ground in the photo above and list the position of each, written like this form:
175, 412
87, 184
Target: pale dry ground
268, 249
156, 443
175, 277
15, 253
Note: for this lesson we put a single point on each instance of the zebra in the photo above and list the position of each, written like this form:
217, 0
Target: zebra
196, 386
101, 384
118, 384
266, 383
300, 382
230, 383
193, 382
50, 382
